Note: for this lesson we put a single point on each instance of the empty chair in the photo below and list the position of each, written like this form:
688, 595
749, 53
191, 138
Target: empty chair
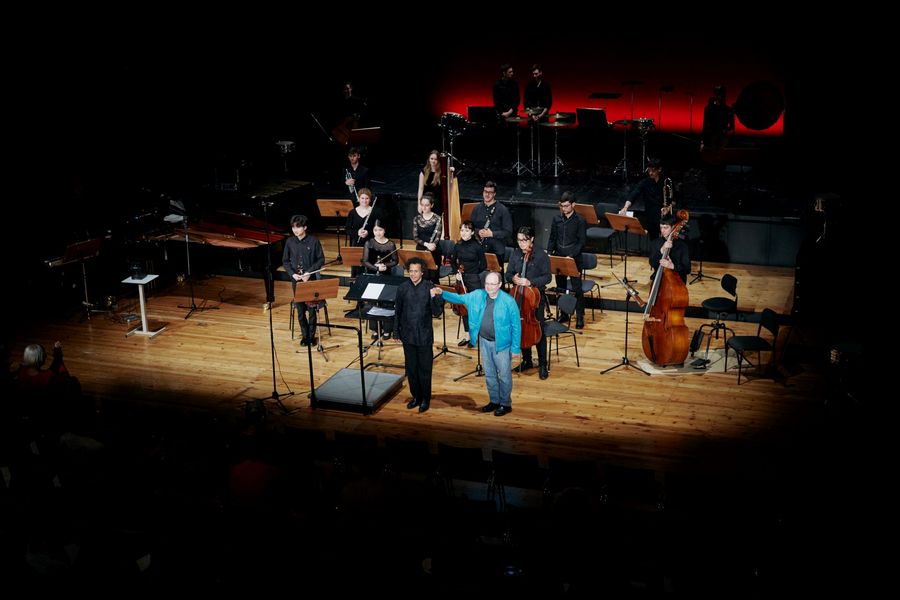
456, 463
588, 262
742, 344
720, 307
516, 470
603, 231
553, 329
446, 247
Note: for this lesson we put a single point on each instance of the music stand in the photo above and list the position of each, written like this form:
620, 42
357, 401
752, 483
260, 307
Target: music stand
315, 291
354, 256
628, 225
444, 349
700, 276
404, 256
564, 265
338, 209
384, 291
629, 293
187, 252
82, 252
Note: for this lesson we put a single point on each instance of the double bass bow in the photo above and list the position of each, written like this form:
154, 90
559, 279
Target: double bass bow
460, 309
665, 337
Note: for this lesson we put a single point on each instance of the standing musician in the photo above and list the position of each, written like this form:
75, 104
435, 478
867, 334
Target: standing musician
493, 222
428, 229
379, 257
650, 191
506, 93
567, 238
430, 177
679, 255
356, 176
538, 97
467, 258
360, 222
536, 271
302, 254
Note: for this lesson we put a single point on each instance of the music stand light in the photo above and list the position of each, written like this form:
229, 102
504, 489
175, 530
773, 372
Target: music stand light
315, 291
337, 209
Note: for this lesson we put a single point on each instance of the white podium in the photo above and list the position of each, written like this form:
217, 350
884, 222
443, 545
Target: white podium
143, 329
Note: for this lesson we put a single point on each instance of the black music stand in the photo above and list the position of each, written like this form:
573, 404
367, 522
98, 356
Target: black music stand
629, 294
338, 209
700, 276
444, 349
628, 225
354, 256
380, 289
315, 291
478, 371
82, 252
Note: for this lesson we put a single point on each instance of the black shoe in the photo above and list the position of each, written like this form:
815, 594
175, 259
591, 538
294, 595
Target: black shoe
502, 410
304, 342
463, 343
525, 365
579, 323
412, 404
489, 407
423, 406
544, 373
385, 336
374, 337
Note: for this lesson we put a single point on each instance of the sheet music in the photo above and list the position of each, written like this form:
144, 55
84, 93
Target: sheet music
377, 311
373, 291
629, 213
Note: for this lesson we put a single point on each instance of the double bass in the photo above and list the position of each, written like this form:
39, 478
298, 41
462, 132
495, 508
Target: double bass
528, 299
665, 338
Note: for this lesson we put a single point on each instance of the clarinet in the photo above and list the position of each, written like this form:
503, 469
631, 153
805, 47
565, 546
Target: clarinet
366, 222
352, 187
487, 225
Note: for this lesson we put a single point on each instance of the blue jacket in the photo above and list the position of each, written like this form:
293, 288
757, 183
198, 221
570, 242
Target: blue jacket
507, 321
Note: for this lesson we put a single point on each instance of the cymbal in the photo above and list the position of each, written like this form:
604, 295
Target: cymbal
561, 116
557, 124
605, 95
516, 119
624, 122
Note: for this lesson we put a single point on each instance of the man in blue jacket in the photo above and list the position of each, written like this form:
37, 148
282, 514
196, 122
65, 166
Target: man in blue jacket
495, 316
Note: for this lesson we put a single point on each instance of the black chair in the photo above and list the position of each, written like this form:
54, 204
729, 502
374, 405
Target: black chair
446, 247
742, 344
604, 233
588, 263
719, 308
323, 307
553, 329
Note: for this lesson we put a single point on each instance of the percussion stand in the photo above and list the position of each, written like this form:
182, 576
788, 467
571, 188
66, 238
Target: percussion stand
187, 251
557, 161
519, 166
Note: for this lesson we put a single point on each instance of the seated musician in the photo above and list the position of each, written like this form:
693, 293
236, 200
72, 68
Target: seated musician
303, 254
380, 257
467, 258
679, 257
533, 272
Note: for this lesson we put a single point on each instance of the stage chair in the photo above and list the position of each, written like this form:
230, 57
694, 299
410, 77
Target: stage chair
516, 470
742, 344
588, 262
463, 464
719, 307
553, 329
599, 232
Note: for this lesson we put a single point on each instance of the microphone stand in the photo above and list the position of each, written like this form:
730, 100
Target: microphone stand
478, 371
187, 249
270, 300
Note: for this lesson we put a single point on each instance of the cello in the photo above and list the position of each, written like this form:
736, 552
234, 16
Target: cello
460, 309
528, 299
665, 338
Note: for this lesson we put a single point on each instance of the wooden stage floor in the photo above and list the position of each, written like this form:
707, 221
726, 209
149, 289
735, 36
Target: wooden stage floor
217, 360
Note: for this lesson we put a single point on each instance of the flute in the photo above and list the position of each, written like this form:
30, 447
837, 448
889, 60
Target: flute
366, 222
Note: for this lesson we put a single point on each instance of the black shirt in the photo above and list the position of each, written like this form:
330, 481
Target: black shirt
302, 256
414, 309
567, 236
679, 254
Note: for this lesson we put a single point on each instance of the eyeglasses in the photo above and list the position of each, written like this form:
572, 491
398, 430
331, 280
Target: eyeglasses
489, 193
523, 240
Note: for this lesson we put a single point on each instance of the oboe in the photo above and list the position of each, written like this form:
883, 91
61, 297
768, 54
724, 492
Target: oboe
366, 222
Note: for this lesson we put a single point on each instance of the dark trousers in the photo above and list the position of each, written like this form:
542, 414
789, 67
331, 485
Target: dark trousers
419, 361
308, 318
